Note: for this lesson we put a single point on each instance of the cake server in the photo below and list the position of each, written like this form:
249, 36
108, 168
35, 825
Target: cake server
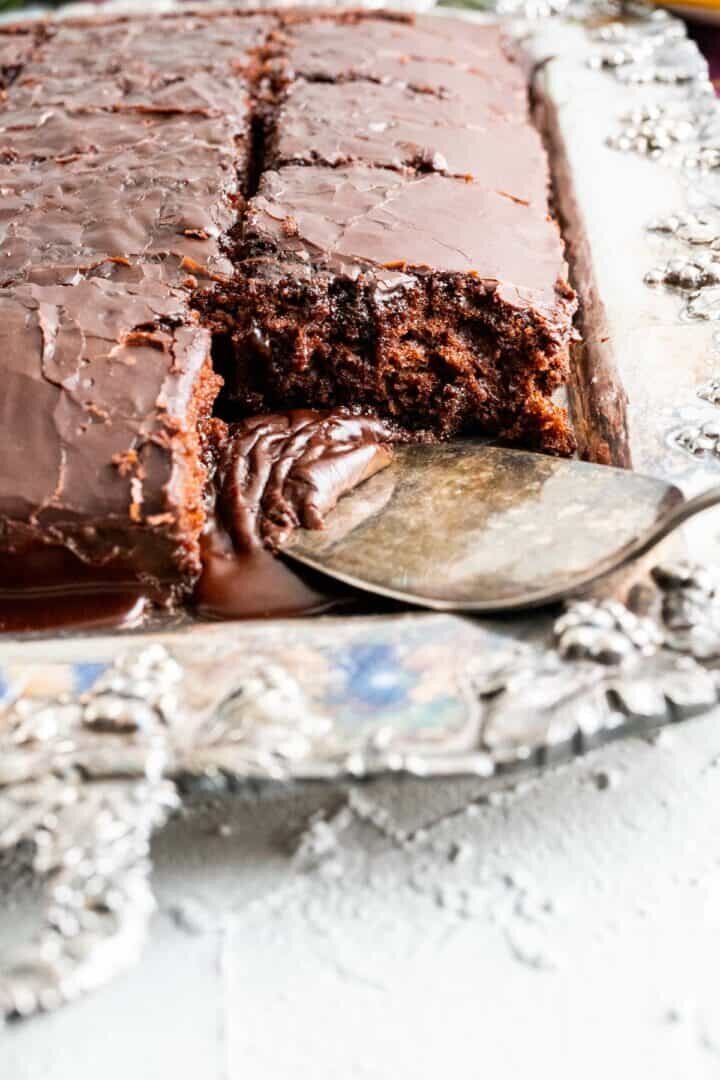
463, 526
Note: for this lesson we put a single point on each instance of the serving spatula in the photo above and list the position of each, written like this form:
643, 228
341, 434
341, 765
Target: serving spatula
463, 526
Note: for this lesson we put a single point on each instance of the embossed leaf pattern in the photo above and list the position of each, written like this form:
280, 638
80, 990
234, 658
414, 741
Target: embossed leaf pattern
91, 844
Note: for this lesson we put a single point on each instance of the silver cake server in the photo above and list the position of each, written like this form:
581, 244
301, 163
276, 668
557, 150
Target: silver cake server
463, 526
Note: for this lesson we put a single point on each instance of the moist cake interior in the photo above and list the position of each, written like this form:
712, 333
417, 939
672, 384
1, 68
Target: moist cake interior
208, 217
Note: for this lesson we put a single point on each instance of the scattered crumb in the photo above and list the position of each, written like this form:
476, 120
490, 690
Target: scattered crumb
606, 778
318, 844
664, 739
460, 852
190, 916
528, 947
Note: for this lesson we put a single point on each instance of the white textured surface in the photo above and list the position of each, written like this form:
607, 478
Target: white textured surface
568, 929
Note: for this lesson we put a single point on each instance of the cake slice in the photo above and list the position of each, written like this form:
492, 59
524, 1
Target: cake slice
173, 63
120, 174
179, 43
106, 390
81, 201
433, 301
398, 128
428, 55
127, 140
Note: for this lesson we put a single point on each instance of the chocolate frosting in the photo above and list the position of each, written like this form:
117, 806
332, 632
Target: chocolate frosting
158, 198
287, 470
98, 381
394, 127
356, 218
171, 139
208, 93
180, 43
278, 473
126, 139
427, 55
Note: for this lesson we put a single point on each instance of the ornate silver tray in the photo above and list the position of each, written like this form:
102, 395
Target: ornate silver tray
102, 736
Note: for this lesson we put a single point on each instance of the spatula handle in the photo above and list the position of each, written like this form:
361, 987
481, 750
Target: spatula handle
677, 517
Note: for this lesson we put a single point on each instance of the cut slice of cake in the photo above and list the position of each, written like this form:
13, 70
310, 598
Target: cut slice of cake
106, 390
431, 300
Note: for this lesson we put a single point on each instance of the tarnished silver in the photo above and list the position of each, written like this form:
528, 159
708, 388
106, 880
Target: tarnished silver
600, 671
91, 762
655, 49
655, 128
710, 392
539, 708
531, 9
540, 9
469, 527
694, 269
688, 272
697, 229
90, 841
605, 631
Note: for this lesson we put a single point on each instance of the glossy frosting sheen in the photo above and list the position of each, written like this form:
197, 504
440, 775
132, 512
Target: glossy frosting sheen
278, 473
391, 126
357, 216
88, 426
430, 56
288, 470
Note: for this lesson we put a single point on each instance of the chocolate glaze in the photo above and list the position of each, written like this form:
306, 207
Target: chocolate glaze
395, 127
175, 42
172, 141
127, 138
426, 54
47, 587
85, 610
169, 193
357, 218
256, 585
278, 473
97, 423
281, 472
208, 93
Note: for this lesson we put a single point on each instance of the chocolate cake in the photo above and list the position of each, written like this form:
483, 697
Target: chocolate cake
393, 127
413, 294
105, 388
232, 213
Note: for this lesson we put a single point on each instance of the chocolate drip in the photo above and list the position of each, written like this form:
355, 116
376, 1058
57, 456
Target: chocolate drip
286, 471
278, 473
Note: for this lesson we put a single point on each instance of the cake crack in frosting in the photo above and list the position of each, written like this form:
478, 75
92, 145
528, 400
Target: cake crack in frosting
319, 211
